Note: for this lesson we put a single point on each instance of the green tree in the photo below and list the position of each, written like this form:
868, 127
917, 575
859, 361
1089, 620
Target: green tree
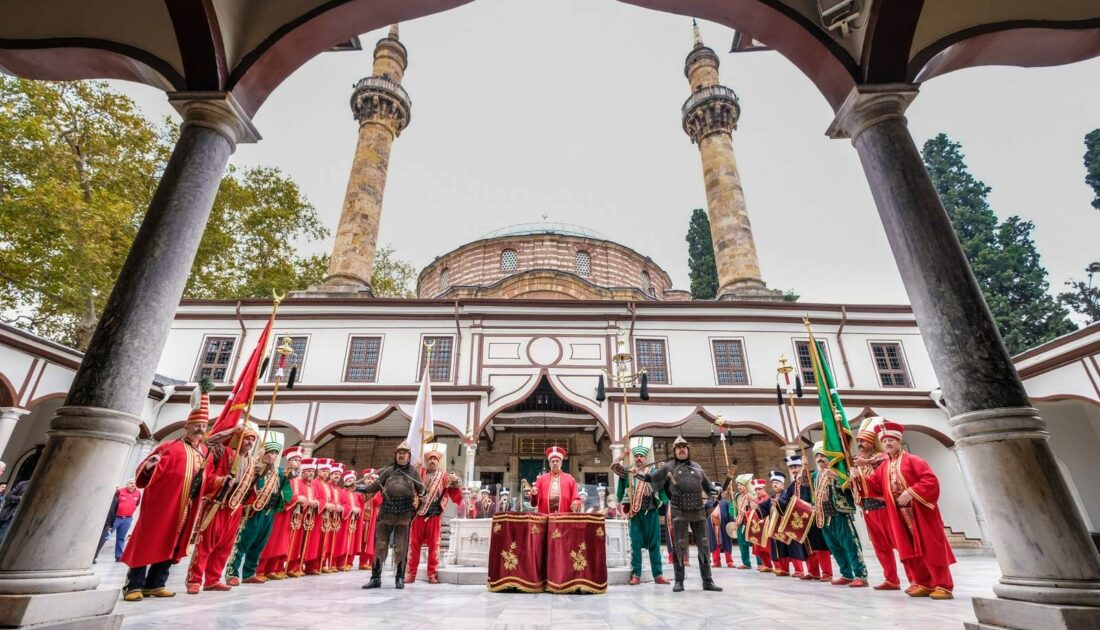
78, 167
392, 277
1092, 165
248, 247
1002, 254
701, 267
1083, 297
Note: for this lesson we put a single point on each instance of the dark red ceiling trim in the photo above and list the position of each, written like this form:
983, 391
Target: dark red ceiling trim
79, 58
802, 41
888, 40
291, 45
199, 38
1024, 43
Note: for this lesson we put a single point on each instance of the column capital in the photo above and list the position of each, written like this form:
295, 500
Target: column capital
13, 412
218, 111
868, 105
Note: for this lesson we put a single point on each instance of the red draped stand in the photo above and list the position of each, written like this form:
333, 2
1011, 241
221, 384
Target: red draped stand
576, 553
517, 552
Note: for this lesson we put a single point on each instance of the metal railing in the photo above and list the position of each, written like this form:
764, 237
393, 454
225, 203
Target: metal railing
385, 85
714, 92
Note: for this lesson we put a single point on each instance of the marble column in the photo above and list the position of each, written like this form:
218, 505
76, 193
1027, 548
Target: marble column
471, 462
45, 562
9, 416
1050, 568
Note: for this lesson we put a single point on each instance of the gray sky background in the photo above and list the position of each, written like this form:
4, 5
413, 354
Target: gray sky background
571, 108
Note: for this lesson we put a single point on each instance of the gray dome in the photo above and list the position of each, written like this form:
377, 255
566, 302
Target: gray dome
565, 229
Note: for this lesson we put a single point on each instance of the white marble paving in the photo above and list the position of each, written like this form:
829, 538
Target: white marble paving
750, 600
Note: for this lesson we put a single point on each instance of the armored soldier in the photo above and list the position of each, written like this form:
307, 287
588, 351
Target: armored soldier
686, 484
400, 486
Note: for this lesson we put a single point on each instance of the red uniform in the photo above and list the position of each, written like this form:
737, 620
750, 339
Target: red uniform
215, 542
878, 527
368, 519
320, 539
567, 492
342, 537
163, 529
426, 527
285, 541
916, 530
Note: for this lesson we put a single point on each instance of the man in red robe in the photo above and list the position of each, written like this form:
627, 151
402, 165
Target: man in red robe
229, 482
427, 526
348, 515
911, 491
874, 504
319, 535
368, 521
555, 491
172, 477
274, 557
301, 530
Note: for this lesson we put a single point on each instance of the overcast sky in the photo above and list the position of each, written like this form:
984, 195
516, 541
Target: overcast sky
571, 108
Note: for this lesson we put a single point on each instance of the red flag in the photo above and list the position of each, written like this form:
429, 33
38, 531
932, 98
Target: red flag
230, 417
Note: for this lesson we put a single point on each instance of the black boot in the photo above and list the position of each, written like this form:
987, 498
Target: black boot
399, 570
375, 576
709, 585
678, 586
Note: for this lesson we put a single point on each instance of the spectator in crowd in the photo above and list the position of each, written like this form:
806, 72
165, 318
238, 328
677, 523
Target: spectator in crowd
10, 505
129, 498
3, 490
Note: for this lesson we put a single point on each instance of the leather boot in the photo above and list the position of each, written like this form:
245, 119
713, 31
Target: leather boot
375, 576
399, 570
678, 586
709, 585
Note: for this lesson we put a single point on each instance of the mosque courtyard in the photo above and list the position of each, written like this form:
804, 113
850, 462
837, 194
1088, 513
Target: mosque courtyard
750, 600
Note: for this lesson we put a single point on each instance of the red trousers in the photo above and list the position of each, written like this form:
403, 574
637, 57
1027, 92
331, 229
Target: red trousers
930, 575
424, 530
784, 564
878, 528
716, 559
820, 563
212, 551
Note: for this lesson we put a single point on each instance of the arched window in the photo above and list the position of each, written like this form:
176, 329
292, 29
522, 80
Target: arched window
584, 264
647, 283
445, 278
509, 261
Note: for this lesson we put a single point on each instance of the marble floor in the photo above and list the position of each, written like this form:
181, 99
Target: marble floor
750, 600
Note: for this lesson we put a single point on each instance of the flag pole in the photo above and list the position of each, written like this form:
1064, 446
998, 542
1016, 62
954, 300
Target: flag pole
819, 373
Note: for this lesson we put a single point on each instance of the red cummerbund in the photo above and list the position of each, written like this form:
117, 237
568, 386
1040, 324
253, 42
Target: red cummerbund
576, 553
517, 552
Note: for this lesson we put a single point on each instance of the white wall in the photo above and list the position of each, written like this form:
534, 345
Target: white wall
955, 503
1075, 439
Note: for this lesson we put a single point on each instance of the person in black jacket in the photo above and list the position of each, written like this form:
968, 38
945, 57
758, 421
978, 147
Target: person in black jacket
107, 526
10, 505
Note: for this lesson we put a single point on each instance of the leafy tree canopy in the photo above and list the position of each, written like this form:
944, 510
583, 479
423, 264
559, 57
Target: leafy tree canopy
1002, 254
701, 266
1092, 165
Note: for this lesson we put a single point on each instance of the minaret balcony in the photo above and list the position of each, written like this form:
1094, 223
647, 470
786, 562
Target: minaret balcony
709, 110
381, 97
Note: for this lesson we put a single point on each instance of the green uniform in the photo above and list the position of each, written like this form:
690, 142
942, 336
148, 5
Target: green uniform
257, 528
743, 543
645, 526
840, 531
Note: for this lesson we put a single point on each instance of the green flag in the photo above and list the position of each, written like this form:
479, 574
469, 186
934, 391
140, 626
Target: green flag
834, 423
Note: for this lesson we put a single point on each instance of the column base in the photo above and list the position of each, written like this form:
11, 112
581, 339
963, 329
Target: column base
336, 287
84, 610
749, 293
1000, 614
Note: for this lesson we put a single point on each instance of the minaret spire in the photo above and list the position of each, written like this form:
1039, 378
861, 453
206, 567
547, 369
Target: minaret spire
697, 39
710, 115
383, 109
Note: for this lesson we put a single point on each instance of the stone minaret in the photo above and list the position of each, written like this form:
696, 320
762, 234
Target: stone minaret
383, 109
709, 117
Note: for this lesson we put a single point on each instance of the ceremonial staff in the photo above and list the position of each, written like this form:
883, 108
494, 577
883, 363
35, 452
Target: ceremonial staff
794, 432
623, 376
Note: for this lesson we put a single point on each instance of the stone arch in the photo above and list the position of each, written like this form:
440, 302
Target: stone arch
8, 395
374, 419
169, 429
562, 392
702, 412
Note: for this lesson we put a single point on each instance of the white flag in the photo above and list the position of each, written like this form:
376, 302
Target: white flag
422, 428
